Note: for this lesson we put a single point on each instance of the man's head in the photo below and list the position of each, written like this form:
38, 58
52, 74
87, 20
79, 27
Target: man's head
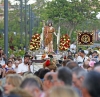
31, 86
81, 53
26, 59
71, 64
65, 75
94, 54
78, 76
91, 85
49, 79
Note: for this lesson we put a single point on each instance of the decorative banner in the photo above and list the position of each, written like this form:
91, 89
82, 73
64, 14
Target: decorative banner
85, 38
35, 42
64, 43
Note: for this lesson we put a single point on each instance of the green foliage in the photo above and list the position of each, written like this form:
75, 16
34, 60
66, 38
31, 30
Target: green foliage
14, 21
1, 40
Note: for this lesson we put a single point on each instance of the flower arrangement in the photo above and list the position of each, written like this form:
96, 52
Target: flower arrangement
35, 42
64, 42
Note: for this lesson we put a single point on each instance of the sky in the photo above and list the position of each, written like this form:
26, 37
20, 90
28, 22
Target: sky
32, 1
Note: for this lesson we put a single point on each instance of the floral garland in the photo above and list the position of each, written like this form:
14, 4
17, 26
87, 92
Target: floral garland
64, 42
35, 42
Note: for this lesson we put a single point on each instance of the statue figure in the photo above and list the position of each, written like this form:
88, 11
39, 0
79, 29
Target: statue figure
48, 37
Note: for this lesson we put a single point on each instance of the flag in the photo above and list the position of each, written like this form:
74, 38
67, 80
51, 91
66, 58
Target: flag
85, 38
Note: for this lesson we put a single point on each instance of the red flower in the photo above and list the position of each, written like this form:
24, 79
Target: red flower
47, 63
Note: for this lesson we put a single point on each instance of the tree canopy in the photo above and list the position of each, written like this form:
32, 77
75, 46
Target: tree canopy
73, 12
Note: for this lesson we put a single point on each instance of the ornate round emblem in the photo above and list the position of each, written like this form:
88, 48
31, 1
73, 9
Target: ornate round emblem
85, 38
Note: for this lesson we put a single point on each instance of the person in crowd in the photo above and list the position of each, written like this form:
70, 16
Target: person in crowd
42, 73
69, 53
2, 57
91, 84
19, 93
73, 47
64, 76
65, 62
32, 87
16, 66
9, 66
2, 72
97, 67
95, 54
61, 91
19, 59
12, 81
1, 94
75, 57
13, 95
50, 64
71, 64
31, 75
24, 67
49, 80
81, 58
78, 76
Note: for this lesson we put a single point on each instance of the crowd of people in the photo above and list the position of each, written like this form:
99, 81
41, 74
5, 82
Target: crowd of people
74, 75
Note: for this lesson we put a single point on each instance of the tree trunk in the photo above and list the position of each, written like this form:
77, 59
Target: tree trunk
70, 32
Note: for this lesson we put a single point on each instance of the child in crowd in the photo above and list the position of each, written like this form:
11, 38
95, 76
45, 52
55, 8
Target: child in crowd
9, 66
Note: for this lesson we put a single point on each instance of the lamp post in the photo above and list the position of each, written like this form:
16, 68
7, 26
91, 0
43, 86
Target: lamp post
21, 22
25, 25
30, 20
6, 27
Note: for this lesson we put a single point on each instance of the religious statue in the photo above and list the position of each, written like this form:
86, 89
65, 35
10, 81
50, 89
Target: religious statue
48, 37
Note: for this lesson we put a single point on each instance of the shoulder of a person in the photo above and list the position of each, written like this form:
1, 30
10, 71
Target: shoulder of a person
21, 64
79, 57
86, 57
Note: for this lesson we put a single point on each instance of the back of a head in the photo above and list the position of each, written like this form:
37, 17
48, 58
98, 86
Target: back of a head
92, 83
71, 64
65, 62
97, 68
43, 72
19, 93
97, 64
1, 93
65, 75
79, 71
13, 95
30, 82
62, 92
15, 79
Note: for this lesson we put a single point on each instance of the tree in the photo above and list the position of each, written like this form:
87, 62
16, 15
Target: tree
73, 13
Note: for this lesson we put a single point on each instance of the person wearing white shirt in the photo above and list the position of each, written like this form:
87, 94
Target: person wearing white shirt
16, 66
73, 47
24, 67
81, 58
